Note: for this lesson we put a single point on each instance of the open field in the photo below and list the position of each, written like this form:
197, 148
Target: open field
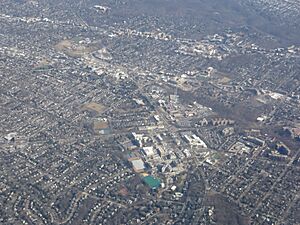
93, 106
99, 125
73, 49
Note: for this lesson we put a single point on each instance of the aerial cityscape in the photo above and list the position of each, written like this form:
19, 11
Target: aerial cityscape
150, 112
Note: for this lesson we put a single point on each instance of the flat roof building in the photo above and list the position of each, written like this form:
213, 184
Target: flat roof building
138, 165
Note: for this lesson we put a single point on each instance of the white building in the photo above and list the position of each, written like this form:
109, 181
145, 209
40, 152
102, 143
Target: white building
148, 151
193, 140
